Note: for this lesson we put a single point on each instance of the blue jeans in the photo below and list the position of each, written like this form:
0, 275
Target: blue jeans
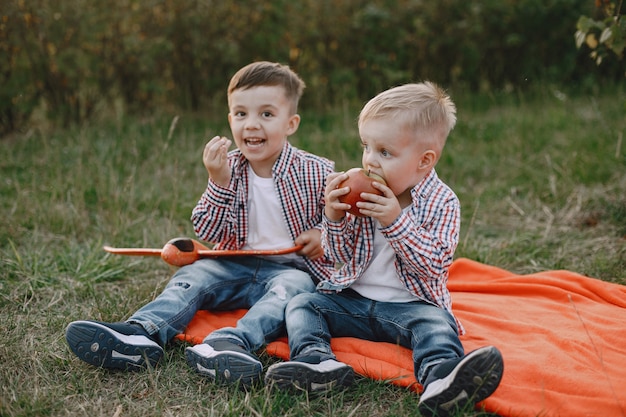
260, 285
428, 330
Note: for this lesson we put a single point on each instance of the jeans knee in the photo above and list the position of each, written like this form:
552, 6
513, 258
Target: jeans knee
279, 291
293, 284
302, 300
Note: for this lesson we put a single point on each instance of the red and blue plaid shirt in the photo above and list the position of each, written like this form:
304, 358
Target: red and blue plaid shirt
424, 239
221, 215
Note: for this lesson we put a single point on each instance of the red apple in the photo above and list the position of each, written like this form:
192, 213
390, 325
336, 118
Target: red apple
360, 181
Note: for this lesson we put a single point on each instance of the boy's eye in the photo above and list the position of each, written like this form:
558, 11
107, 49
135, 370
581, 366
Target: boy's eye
240, 114
266, 114
385, 152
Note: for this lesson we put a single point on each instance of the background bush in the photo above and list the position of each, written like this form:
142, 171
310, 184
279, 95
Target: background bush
77, 58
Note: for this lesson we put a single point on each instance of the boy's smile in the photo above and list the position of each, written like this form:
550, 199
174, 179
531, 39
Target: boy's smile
254, 141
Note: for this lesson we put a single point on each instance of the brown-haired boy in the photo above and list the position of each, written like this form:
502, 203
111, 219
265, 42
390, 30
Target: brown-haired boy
265, 194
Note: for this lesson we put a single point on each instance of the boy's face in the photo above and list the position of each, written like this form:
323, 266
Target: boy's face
260, 119
396, 153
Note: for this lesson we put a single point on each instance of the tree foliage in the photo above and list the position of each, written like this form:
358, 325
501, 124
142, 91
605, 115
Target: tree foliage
605, 32
78, 58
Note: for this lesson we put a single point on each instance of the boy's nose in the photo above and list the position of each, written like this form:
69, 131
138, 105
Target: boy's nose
368, 160
252, 123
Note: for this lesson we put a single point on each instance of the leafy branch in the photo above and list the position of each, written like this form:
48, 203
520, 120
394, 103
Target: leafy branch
605, 34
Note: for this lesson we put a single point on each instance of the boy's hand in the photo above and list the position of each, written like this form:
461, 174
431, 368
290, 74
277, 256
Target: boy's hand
215, 160
312, 242
334, 209
384, 208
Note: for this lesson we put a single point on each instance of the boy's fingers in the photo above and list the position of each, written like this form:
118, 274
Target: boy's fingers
216, 148
383, 189
334, 179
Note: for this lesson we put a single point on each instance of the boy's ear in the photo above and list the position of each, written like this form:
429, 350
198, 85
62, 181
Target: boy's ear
427, 161
294, 122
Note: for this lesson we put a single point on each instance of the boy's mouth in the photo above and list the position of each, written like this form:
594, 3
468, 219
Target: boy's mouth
254, 142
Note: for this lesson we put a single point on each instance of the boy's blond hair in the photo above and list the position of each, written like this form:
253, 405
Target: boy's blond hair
265, 73
419, 107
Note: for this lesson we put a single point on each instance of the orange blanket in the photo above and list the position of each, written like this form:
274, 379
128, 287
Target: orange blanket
562, 335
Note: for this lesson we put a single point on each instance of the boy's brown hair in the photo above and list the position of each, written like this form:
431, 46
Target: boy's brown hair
265, 73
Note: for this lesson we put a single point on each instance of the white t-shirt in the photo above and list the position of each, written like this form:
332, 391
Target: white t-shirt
380, 281
266, 225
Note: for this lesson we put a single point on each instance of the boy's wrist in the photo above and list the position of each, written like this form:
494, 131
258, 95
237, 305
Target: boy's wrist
334, 227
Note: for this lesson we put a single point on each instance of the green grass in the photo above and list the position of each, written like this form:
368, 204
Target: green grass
541, 178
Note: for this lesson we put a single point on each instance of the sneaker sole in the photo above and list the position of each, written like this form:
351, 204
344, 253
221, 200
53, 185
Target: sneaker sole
475, 378
103, 347
223, 367
300, 376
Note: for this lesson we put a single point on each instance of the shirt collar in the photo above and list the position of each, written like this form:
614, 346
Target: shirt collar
426, 186
280, 168
284, 162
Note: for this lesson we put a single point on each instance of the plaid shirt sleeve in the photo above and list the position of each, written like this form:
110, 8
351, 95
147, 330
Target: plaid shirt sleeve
220, 214
338, 240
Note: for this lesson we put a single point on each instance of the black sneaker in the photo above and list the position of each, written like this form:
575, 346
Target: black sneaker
224, 362
454, 384
311, 375
113, 345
